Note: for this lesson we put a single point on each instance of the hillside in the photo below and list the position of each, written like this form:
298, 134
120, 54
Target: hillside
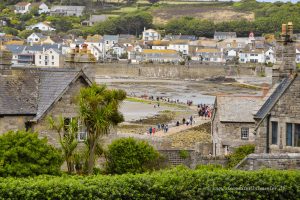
215, 12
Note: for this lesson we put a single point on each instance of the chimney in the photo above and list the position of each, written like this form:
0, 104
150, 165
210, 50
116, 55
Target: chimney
5, 61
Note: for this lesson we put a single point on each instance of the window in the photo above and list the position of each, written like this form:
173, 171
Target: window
52, 63
245, 133
297, 135
46, 57
46, 63
40, 57
274, 132
82, 131
289, 134
52, 57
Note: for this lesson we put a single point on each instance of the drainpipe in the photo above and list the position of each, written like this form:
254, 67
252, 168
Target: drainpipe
268, 134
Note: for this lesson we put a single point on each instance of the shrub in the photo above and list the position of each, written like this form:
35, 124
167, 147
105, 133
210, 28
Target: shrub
24, 154
178, 183
130, 155
209, 167
184, 154
239, 154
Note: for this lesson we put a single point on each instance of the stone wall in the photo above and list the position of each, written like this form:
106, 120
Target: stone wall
14, 123
195, 71
65, 106
229, 134
283, 161
194, 158
286, 110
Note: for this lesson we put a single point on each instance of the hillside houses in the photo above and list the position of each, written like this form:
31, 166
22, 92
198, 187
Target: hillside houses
245, 50
67, 10
25, 7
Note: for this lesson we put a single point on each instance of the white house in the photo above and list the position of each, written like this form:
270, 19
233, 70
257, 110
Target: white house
41, 26
109, 41
150, 35
22, 7
35, 38
270, 56
209, 55
137, 48
49, 58
96, 51
298, 55
252, 56
118, 50
42, 7
67, 10
180, 46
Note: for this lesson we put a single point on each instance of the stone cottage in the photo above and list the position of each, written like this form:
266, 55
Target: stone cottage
278, 123
29, 95
233, 123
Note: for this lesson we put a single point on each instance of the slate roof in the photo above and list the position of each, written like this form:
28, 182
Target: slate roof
231, 34
33, 91
19, 93
237, 108
15, 49
273, 98
111, 37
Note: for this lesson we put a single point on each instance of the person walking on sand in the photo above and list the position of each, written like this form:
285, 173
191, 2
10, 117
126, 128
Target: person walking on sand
158, 126
183, 121
191, 120
153, 131
166, 128
150, 130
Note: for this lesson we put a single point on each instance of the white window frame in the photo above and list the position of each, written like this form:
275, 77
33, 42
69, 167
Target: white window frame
245, 133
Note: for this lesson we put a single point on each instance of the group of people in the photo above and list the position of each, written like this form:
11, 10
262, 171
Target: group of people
204, 111
190, 121
163, 127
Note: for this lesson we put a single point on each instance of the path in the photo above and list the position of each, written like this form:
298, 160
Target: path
176, 129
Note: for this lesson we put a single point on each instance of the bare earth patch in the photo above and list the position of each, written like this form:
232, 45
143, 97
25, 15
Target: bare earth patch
216, 14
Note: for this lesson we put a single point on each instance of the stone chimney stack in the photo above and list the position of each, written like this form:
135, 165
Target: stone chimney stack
285, 54
5, 61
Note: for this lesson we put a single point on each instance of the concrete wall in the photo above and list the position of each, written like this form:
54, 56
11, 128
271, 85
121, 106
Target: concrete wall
273, 161
194, 71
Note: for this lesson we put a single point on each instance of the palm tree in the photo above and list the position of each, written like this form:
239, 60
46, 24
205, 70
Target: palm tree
99, 111
67, 137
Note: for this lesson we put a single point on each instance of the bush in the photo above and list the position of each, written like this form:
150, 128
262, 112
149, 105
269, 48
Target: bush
129, 155
209, 167
178, 183
24, 154
184, 154
239, 154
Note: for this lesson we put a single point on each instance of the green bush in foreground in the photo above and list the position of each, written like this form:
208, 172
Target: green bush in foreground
24, 154
178, 183
128, 155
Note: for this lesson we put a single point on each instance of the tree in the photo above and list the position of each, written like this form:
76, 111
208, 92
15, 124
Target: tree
24, 154
98, 109
128, 155
67, 138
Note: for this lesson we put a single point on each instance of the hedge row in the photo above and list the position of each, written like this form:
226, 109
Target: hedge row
178, 183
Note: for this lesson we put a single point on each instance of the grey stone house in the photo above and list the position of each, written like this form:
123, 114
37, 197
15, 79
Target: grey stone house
233, 123
278, 122
29, 95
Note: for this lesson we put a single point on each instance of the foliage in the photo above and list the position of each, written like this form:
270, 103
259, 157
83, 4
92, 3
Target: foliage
239, 154
184, 154
128, 155
67, 138
25, 33
99, 111
24, 154
209, 167
177, 183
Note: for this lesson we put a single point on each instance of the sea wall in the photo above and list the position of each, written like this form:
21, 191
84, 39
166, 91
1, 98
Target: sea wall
167, 71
